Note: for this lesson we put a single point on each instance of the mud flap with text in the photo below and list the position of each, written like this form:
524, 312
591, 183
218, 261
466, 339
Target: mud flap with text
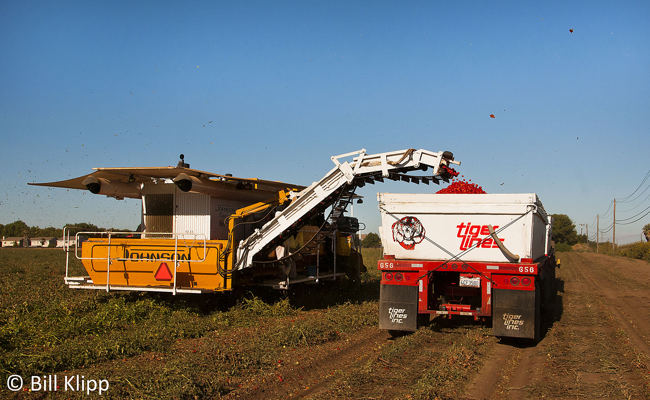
516, 313
398, 307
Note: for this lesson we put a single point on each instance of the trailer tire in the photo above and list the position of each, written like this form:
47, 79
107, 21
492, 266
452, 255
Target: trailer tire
423, 320
548, 288
538, 312
395, 333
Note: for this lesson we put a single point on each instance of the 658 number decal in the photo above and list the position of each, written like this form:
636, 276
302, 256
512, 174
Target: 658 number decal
527, 270
386, 265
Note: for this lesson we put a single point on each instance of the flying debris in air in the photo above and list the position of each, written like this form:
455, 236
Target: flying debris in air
571, 30
492, 116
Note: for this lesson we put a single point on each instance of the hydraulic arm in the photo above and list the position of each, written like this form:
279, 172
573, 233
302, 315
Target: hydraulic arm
240, 214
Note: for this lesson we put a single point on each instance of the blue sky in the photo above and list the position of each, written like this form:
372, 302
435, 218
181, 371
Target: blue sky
273, 89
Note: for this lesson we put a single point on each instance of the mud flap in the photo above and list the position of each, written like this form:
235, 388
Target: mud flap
398, 307
516, 313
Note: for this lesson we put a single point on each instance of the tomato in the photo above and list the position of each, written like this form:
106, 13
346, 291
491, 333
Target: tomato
462, 186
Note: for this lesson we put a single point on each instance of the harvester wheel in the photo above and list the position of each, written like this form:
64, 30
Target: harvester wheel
354, 267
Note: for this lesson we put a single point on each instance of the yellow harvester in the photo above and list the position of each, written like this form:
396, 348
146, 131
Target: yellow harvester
205, 232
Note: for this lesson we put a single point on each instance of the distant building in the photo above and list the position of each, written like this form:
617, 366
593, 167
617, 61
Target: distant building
61, 243
12, 241
42, 242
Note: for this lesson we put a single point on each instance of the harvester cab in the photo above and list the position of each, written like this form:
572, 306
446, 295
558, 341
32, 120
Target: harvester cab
206, 232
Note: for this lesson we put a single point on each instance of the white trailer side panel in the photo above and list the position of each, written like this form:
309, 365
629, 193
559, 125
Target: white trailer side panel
440, 226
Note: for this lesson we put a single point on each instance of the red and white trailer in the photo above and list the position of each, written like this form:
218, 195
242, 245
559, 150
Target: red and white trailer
477, 255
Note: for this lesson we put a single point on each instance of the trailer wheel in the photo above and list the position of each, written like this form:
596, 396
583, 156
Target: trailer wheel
423, 320
395, 334
538, 312
549, 290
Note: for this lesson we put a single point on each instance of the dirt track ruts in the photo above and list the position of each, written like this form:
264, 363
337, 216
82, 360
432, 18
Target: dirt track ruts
596, 347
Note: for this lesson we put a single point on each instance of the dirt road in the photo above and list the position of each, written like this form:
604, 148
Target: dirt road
595, 346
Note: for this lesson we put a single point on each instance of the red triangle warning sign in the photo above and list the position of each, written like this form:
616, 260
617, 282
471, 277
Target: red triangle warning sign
163, 273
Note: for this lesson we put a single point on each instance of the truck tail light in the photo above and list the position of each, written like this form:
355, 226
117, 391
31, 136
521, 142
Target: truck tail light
398, 276
525, 281
514, 281
388, 276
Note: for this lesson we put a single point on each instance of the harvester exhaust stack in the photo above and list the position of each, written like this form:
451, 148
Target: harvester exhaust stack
181, 163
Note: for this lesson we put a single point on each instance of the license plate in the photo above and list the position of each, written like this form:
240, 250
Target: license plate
470, 282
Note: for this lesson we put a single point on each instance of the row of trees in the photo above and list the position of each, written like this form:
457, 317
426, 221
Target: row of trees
564, 231
21, 229
371, 240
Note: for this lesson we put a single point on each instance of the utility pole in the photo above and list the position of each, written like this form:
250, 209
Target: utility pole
585, 226
614, 222
597, 231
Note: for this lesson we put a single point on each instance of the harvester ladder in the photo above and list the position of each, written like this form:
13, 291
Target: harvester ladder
361, 169
340, 206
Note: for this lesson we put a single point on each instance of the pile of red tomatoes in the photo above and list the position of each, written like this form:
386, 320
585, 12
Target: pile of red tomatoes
462, 186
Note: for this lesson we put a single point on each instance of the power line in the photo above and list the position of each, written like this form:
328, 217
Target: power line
642, 202
626, 198
636, 220
638, 195
609, 207
618, 221
608, 229
631, 198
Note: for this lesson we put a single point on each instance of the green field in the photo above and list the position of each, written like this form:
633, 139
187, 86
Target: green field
45, 327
